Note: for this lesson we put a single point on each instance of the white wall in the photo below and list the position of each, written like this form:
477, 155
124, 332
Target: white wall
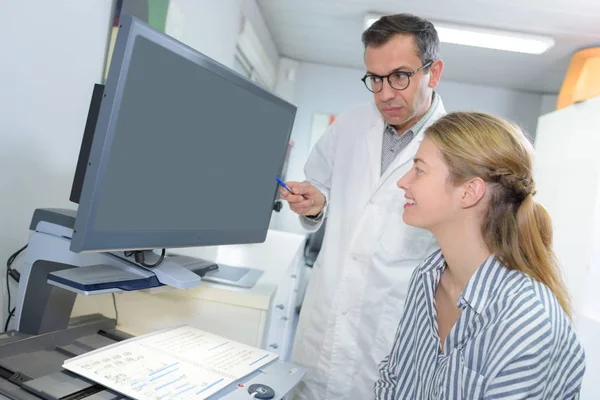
208, 26
251, 11
285, 86
212, 27
327, 89
548, 103
53, 53
520, 107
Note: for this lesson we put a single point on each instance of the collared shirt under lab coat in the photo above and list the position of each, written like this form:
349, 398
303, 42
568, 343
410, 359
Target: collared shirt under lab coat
356, 293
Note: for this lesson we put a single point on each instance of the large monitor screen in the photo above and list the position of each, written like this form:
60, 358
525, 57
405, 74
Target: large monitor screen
185, 151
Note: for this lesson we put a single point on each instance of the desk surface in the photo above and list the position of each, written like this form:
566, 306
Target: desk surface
275, 256
237, 313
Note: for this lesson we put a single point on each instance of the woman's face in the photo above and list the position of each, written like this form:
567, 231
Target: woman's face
431, 200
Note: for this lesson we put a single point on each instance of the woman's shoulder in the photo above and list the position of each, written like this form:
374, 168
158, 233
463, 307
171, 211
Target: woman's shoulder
558, 319
532, 304
522, 295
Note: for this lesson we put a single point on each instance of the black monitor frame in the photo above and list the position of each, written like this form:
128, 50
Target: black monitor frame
98, 137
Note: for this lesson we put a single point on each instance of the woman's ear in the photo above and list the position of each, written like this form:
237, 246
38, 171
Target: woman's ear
473, 191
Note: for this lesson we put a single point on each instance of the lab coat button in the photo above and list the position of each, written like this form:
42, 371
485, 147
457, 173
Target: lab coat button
343, 312
371, 202
354, 258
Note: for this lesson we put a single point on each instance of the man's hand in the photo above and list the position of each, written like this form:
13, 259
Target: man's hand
305, 199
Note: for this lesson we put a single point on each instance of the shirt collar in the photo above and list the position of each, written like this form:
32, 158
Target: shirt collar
433, 262
480, 286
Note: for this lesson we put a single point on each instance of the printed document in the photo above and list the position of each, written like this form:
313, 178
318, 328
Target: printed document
181, 363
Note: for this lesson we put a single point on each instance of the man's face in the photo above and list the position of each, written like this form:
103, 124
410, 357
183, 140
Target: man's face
402, 108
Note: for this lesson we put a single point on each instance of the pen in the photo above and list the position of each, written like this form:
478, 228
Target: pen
282, 183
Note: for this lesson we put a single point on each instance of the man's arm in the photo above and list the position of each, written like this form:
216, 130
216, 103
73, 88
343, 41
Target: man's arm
318, 171
309, 199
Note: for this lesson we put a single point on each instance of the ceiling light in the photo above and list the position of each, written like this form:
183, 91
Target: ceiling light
487, 38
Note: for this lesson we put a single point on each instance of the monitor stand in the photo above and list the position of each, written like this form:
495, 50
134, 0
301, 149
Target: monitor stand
52, 275
179, 270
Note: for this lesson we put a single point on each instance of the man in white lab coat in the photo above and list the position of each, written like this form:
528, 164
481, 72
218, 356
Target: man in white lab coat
359, 281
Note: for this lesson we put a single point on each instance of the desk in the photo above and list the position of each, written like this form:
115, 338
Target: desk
263, 316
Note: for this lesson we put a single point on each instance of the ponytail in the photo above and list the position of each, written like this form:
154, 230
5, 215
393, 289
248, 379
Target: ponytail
535, 243
520, 235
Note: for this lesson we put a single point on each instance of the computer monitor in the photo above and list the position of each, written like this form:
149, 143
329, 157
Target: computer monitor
185, 151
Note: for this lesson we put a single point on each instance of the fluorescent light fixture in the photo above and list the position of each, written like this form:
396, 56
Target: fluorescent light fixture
487, 38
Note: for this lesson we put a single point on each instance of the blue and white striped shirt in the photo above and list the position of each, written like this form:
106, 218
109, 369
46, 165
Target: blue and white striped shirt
511, 341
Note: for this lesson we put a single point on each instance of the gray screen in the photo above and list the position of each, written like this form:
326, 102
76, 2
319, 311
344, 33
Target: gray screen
191, 150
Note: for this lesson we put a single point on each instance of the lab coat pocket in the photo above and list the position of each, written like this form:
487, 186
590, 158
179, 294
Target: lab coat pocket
389, 319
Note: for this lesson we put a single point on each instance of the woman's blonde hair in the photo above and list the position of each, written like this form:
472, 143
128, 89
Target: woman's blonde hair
517, 229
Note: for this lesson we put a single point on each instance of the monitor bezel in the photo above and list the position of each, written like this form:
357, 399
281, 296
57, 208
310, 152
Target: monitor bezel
85, 238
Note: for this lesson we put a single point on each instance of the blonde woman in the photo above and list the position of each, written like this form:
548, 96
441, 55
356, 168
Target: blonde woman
488, 315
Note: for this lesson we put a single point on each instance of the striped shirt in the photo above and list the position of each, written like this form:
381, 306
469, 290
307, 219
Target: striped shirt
393, 143
511, 341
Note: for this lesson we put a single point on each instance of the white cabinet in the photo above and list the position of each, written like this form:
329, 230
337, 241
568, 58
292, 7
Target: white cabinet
567, 173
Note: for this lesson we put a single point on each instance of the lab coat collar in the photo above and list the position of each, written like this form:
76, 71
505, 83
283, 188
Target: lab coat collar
374, 140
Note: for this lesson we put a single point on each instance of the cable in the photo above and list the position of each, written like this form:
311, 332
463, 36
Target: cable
156, 264
140, 259
10, 272
10, 315
116, 309
12, 258
8, 293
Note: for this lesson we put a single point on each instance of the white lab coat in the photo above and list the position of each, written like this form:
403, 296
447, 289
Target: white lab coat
359, 281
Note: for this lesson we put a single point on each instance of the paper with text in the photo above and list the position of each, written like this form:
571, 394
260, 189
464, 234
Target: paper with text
181, 363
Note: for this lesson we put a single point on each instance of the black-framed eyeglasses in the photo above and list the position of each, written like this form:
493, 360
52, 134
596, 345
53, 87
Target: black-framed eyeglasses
398, 80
